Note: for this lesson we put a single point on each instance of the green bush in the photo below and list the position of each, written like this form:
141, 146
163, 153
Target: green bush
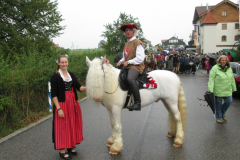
24, 83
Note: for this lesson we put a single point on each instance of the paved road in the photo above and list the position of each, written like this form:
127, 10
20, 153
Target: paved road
144, 133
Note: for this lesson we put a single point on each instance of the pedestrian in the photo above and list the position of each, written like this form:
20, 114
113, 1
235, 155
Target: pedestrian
170, 63
163, 60
203, 61
211, 61
222, 84
133, 61
181, 60
207, 65
67, 115
187, 65
178, 64
159, 63
166, 61
197, 60
175, 63
193, 67
229, 57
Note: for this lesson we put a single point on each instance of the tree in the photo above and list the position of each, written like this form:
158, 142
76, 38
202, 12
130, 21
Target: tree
159, 46
28, 23
101, 43
115, 37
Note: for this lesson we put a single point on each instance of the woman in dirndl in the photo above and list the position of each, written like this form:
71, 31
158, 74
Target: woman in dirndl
67, 115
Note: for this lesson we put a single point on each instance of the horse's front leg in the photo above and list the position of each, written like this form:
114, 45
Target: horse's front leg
115, 141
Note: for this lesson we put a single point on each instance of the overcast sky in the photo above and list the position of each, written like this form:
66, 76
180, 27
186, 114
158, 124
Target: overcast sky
160, 19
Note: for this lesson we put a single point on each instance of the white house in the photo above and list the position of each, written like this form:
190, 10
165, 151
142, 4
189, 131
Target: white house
216, 27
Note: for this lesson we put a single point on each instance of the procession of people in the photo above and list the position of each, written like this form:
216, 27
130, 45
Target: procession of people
184, 63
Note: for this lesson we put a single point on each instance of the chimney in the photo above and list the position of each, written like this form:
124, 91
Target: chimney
207, 6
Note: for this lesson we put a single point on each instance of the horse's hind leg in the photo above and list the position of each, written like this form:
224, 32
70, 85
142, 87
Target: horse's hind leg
115, 141
175, 123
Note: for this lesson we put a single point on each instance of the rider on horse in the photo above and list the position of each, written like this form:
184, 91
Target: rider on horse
133, 59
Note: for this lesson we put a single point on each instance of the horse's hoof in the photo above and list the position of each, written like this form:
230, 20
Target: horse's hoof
109, 144
113, 153
169, 135
177, 145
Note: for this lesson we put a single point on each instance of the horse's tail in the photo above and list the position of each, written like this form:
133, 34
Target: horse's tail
182, 106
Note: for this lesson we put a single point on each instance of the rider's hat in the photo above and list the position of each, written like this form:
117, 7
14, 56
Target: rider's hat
123, 27
132, 26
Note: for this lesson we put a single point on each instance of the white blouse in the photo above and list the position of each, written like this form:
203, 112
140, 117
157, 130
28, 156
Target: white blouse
65, 79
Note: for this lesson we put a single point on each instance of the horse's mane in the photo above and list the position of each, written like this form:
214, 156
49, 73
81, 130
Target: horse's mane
95, 79
100, 78
111, 74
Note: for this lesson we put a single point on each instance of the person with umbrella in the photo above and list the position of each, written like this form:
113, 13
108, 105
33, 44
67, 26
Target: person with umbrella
187, 65
133, 60
229, 56
222, 84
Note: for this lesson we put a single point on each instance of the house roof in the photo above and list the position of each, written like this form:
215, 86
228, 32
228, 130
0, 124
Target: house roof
164, 40
202, 10
217, 5
209, 19
199, 10
180, 41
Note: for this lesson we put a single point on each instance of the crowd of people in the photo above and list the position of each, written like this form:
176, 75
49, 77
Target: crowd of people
181, 62
221, 80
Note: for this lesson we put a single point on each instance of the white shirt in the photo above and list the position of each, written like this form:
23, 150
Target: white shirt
139, 54
166, 58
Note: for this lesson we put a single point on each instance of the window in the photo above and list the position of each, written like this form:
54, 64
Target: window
224, 13
224, 38
236, 38
236, 25
224, 26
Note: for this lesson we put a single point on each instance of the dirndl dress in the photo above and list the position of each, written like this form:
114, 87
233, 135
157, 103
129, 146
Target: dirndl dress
67, 131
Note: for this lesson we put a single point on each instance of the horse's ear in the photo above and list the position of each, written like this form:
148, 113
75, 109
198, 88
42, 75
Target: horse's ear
88, 61
103, 59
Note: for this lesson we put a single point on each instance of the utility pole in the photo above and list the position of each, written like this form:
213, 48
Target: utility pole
72, 46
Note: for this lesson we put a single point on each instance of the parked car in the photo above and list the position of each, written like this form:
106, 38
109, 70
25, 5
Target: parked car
236, 72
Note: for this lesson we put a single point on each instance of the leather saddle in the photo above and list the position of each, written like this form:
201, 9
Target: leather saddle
122, 80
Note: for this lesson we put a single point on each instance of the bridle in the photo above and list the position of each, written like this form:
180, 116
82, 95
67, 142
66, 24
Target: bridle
104, 78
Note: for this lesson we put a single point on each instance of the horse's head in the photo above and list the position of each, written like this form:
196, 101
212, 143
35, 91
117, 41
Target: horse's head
95, 78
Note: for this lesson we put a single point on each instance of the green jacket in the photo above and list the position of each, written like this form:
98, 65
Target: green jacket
221, 83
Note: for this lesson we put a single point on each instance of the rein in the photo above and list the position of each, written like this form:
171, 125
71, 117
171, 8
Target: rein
115, 89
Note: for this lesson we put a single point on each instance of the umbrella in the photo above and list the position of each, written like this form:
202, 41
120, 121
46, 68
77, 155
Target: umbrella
118, 57
172, 52
165, 51
233, 54
210, 55
209, 97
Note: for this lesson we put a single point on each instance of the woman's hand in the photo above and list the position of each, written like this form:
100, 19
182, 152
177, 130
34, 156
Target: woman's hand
60, 113
82, 88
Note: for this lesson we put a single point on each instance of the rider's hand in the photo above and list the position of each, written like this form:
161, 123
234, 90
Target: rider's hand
60, 113
119, 63
126, 63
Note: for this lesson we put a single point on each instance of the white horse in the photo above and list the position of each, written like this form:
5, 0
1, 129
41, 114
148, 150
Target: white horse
103, 77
